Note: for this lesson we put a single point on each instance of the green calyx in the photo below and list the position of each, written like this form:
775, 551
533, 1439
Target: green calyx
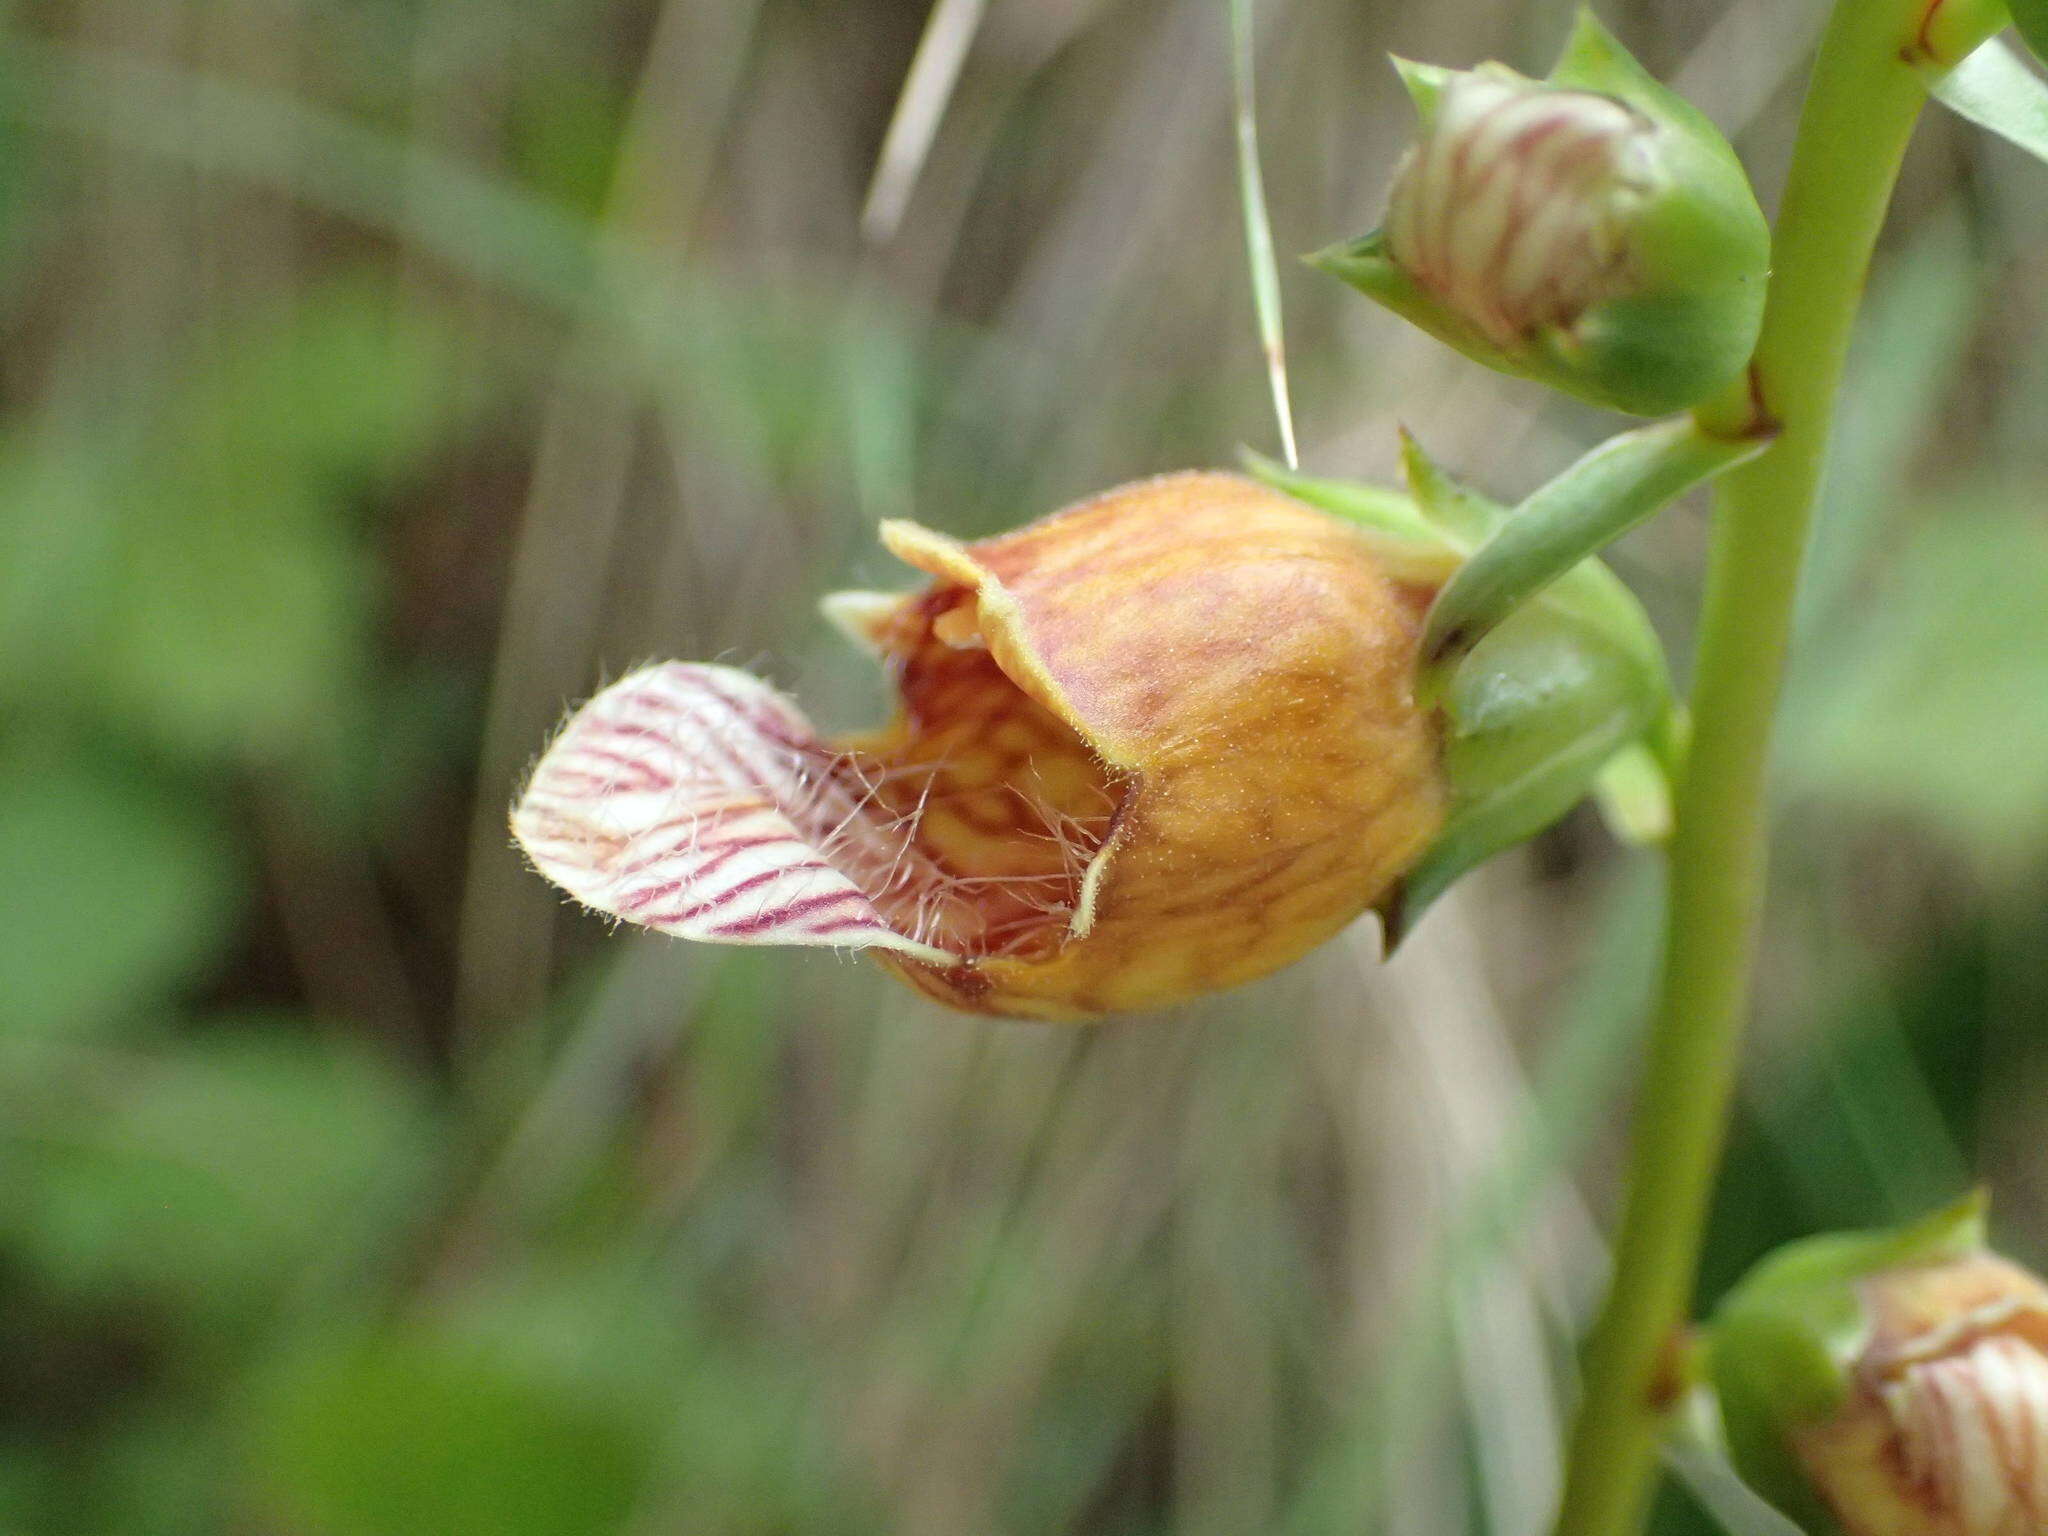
1781, 1346
1567, 694
1591, 230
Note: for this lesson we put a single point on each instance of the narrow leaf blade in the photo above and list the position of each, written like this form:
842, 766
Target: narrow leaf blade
1995, 89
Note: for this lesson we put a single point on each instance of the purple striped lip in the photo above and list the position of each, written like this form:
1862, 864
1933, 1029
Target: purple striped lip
696, 801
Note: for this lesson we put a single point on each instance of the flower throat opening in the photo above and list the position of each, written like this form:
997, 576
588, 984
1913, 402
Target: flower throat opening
984, 810
697, 801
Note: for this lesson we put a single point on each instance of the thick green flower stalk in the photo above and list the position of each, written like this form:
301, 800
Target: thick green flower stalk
1890, 1383
1590, 230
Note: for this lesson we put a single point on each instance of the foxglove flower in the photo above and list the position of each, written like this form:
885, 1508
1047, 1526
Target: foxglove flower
1895, 1384
1591, 230
1161, 742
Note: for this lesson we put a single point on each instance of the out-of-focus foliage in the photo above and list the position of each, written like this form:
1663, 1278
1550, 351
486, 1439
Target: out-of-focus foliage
1939, 713
379, 377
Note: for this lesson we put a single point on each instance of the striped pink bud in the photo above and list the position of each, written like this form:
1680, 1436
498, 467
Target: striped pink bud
1515, 207
1945, 1428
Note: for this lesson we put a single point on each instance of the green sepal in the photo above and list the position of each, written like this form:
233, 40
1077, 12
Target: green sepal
1530, 722
1702, 249
1365, 265
1633, 791
1372, 507
1423, 82
1596, 598
1594, 59
1781, 1345
1461, 512
1407, 546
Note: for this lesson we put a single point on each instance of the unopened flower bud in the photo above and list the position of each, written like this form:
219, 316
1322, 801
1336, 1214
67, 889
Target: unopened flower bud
1896, 1383
1591, 230
1514, 209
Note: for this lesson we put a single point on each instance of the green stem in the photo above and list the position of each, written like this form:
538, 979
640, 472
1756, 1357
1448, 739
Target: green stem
1859, 113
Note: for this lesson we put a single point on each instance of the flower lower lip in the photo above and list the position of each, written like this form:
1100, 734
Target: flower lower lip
667, 801
695, 801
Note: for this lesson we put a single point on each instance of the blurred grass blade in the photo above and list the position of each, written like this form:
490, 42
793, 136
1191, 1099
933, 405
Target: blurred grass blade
934, 71
1911, 341
1995, 89
1348, 1484
477, 222
1258, 228
485, 226
1697, 1461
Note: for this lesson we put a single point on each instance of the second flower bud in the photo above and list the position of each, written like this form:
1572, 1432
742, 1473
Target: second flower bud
1591, 231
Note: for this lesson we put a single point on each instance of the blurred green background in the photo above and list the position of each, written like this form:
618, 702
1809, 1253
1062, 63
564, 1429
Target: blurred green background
380, 375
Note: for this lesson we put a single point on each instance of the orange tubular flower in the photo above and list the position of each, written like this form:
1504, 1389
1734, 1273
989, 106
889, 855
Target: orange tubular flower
1156, 744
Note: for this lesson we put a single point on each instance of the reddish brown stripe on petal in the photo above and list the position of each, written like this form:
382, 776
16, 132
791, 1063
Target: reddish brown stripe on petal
694, 800
796, 912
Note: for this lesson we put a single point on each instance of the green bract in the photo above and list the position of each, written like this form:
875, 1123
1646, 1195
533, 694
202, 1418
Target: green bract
1591, 231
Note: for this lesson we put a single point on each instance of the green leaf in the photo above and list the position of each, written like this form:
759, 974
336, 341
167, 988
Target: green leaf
233, 632
565, 128
2030, 20
1995, 89
340, 387
215, 1174
201, 574
417, 1436
1935, 711
113, 890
